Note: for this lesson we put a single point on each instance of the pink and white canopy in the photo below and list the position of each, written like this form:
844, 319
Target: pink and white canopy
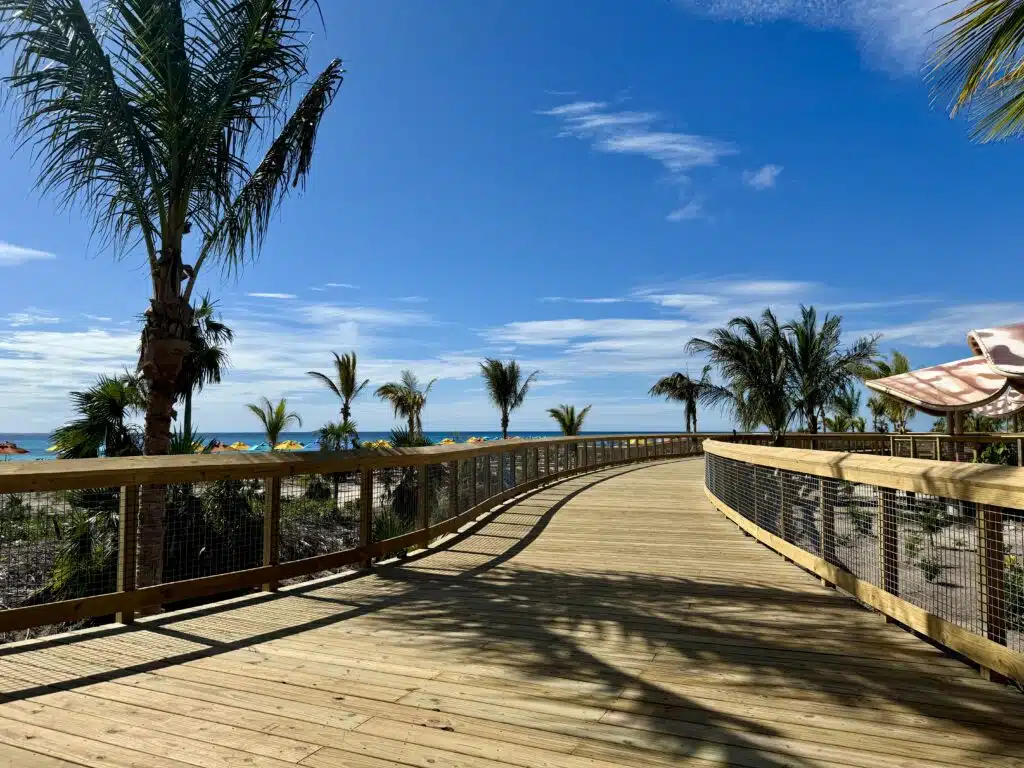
990, 384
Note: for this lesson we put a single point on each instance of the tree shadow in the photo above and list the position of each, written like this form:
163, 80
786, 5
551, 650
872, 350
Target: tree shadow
620, 633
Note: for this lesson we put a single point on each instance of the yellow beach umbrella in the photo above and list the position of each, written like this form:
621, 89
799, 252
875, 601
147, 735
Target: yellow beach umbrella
52, 449
239, 446
289, 445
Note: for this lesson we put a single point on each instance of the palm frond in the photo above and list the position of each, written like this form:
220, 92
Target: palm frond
978, 66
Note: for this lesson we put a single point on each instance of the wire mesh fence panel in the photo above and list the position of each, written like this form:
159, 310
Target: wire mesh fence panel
211, 528
319, 515
395, 502
958, 560
58, 545
440, 504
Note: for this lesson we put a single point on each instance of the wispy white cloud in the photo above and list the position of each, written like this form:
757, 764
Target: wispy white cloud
692, 210
949, 326
766, 287
895, 35
636, 133
29, 317
282, 296
11, 255
571, 300
341, 285
377, 316
412, 299
763, 178
98, 318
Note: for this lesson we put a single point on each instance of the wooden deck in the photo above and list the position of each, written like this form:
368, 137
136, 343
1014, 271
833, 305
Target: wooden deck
613, 620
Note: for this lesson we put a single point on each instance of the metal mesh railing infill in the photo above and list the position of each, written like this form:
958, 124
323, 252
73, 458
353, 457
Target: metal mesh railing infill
958, 560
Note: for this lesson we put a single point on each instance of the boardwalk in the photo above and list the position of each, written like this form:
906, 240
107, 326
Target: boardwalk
613, 620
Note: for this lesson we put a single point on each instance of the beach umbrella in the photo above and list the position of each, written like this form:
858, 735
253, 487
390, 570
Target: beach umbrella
239, 446
52, 449
10, 449
289, 445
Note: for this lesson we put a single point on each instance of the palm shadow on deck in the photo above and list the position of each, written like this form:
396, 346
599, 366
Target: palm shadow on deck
472, 596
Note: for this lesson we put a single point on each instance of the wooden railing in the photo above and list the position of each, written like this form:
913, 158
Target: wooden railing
74, 535
936, 547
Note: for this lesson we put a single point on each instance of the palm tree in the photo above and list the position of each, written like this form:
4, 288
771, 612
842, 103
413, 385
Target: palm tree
879, 417
147, 115
751, 359
407, 399
337, 437
568, 420
506, 387
275, 418
897, 411
978, 63
344, 387
845, 408
818, 363
206, 359
103, 423
680, 388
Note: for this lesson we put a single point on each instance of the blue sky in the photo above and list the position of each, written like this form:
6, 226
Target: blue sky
581, 185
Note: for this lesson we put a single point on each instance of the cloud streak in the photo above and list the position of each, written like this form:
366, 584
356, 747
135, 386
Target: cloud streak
12, 255
895, 35
763, 178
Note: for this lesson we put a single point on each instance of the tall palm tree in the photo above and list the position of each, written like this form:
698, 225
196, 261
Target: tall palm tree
879, 417
845, 407
407, 399
569, 421
146, 115
103, 423
680, 388
275, 418
206, 359
898, 412
337, 437
818, 363
751, 359
506, 387
345, 386
979, 64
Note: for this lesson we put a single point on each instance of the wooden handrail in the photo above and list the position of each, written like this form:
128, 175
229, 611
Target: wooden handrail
980, 483
991, 488
591, 452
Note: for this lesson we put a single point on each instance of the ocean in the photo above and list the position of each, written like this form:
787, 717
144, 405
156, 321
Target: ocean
37, 442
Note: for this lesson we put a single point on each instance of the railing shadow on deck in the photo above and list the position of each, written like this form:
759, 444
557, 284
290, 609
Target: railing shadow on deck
469, 604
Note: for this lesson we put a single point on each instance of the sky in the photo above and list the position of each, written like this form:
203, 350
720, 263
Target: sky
583, 186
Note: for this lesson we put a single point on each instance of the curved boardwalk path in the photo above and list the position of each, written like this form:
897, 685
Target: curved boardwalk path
613, 620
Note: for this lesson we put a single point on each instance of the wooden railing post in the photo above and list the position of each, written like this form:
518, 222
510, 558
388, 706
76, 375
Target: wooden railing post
474, 478
422, 512
128, 529
888, 542
453, 488
827, 491
784, 513
992, 572
366, 510
1020, 452
913, 447
271, 527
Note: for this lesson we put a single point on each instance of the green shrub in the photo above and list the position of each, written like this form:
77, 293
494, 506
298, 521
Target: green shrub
930, 567
912, 546
1014, 584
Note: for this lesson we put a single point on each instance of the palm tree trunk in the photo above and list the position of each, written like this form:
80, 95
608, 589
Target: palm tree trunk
188, 413
412, 424
164, 352
504, 425
812, 421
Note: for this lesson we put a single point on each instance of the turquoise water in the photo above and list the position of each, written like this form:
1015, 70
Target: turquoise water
37, 442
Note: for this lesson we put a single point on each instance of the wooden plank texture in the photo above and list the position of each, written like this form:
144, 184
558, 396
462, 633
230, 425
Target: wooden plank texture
614, 619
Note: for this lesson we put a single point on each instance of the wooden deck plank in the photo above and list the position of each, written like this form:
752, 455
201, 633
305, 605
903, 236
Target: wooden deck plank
613, 619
